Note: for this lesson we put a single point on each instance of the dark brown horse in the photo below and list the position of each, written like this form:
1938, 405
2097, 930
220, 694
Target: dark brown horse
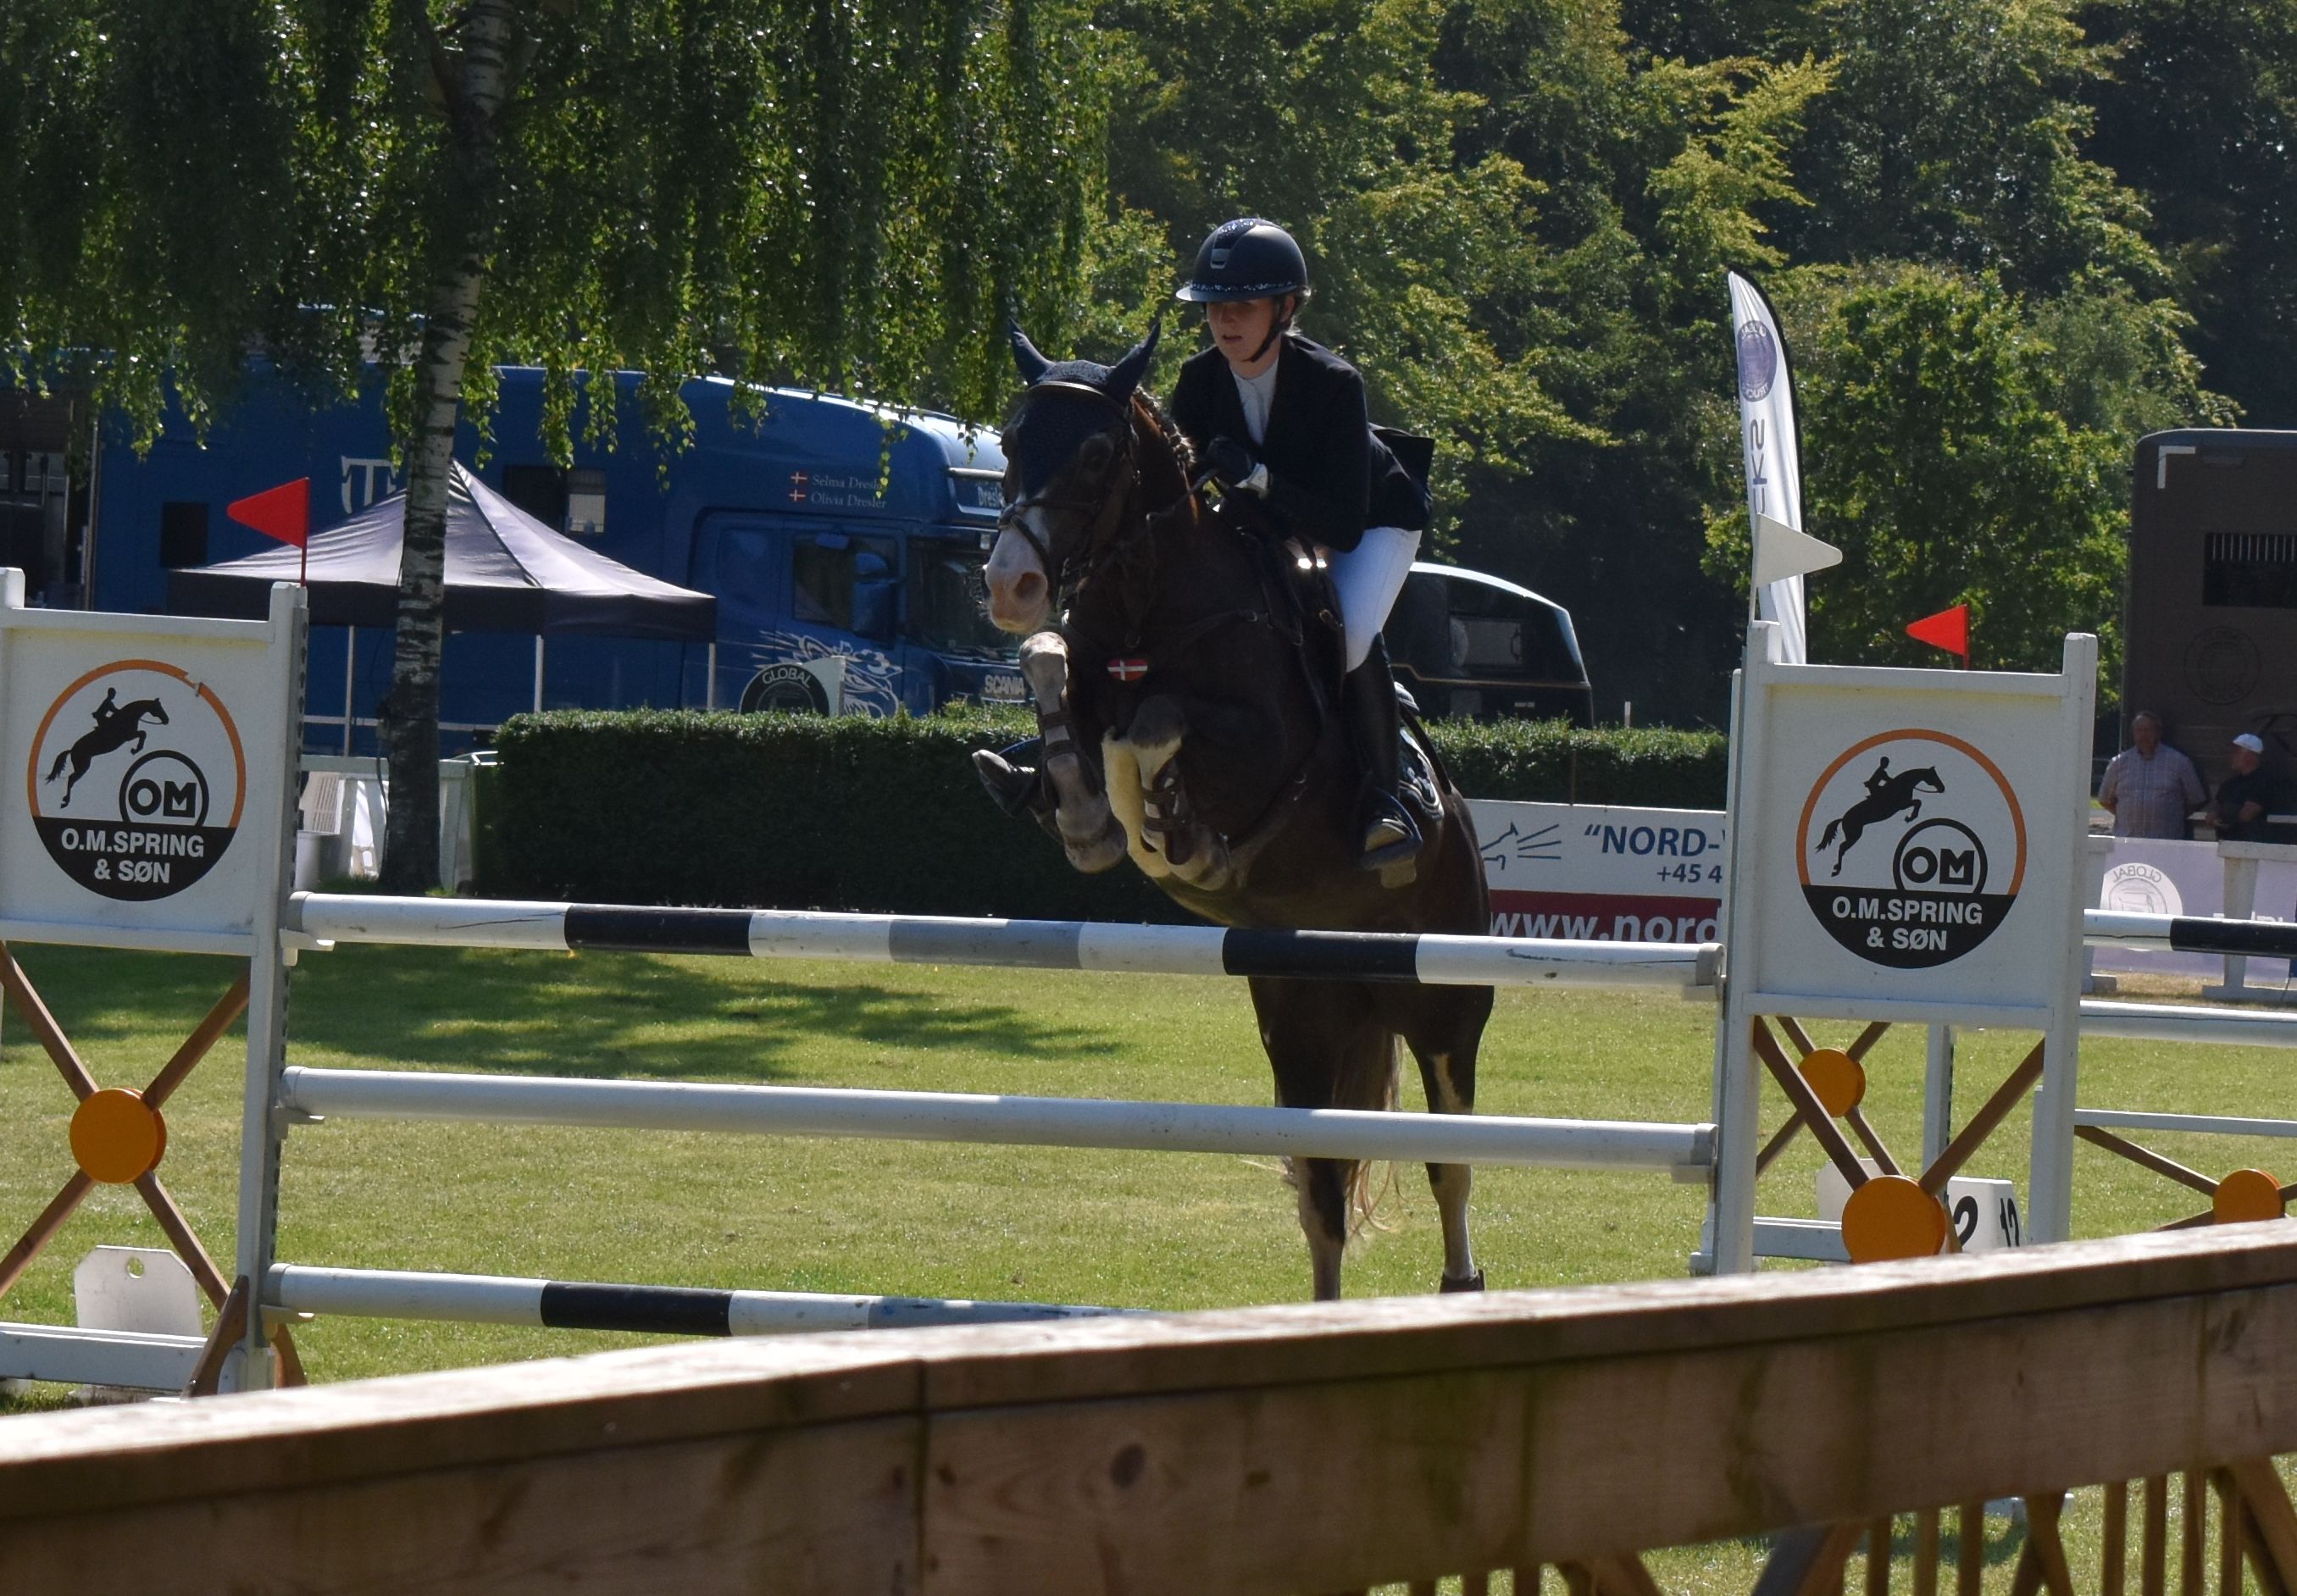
1182, 727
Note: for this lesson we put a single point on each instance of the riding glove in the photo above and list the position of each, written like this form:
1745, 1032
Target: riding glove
1235, 466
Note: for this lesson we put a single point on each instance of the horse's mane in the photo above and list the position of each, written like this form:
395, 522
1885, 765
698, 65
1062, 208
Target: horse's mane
1169, 432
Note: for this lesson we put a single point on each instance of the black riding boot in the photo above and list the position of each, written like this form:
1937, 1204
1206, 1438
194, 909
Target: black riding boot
1388, 834
1014, 778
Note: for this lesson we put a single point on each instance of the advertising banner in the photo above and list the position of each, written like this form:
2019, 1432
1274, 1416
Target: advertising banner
1594, 873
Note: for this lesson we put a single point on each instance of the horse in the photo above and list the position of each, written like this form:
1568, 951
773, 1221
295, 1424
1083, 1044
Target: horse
122, 726
1884, 798
1182, 729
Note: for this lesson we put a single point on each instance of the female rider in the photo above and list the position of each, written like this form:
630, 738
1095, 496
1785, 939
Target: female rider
1280, 421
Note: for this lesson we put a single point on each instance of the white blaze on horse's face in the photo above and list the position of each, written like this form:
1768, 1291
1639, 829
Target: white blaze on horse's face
1020, 589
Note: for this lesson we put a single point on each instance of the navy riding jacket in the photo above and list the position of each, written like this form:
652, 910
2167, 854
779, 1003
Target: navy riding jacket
1327, 476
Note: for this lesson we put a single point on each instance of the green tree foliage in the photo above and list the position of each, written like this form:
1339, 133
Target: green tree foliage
1522, 210
839, 194
2198, 113
1959, 455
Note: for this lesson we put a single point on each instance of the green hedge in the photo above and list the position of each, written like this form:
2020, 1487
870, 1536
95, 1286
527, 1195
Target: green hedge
800, 812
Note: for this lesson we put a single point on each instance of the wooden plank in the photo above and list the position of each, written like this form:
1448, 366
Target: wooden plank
2114, 1555
1815, 1117
1878, 1557
1235, 1490
1990, 1114
2147, 1158
1970, 1548
270, 1442
50, 1035
2190, 1544
42, 1230
179, 1068
1314, 1342
807, 1512
1808, 1561
1624, 1575
1926, 1552
2273, 1523
2153, 1549
2228, 1534
1593, 1441
2045, 1544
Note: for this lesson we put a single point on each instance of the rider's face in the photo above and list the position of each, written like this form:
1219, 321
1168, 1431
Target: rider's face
1240, 326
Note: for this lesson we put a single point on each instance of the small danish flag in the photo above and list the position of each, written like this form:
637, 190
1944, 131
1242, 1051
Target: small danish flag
1128, 670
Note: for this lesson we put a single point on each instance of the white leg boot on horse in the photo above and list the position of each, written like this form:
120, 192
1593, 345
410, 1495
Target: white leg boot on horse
1165, 828
1090, 835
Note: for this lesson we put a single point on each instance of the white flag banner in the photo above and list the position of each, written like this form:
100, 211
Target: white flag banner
1767, 432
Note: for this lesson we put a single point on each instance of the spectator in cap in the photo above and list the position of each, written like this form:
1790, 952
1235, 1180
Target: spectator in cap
2247, 796
2150, 787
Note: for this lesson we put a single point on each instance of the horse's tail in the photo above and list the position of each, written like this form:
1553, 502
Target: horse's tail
57, 768
1375, 1179
1826, 837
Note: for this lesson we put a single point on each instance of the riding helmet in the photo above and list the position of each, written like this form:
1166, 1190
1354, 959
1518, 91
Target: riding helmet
1248, 258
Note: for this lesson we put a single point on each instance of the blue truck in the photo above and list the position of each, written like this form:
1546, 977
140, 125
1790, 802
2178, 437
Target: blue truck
844, 552
844, 543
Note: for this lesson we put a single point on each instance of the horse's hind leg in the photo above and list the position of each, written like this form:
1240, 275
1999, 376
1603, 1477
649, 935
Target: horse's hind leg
1328, 1050
1444, 1038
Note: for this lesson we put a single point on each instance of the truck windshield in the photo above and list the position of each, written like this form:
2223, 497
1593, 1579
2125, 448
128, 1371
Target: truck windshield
948, 604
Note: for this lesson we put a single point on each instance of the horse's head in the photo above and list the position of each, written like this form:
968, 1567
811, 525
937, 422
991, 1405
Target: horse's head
156, 710
1926, 779
1069, 464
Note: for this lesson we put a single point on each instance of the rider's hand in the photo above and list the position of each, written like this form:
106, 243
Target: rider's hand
1233, 464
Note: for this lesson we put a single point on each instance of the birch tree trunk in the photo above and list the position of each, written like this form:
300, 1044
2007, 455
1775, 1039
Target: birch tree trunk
475, 84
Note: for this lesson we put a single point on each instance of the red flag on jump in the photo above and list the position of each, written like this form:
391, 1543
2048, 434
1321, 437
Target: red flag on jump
283, 513
1948, 629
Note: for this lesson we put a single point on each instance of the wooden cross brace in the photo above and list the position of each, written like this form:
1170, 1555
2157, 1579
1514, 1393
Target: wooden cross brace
1810, 1113
2245, 1194
76, 1075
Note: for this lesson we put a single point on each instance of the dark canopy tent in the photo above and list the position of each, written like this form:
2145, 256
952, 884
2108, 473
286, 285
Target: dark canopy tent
506, 572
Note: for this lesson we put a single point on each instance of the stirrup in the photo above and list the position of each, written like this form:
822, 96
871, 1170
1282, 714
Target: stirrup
1387, 818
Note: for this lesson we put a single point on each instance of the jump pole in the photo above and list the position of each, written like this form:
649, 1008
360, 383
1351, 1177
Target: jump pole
317, 1094
324, 919
646, 1309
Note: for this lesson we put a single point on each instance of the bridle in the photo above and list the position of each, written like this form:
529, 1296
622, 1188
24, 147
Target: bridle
1101, 512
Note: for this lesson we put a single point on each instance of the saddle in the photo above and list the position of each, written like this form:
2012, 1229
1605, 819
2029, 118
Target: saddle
1304, 605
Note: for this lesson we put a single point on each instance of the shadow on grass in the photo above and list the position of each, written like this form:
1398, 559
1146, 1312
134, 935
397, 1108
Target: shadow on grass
598, 1014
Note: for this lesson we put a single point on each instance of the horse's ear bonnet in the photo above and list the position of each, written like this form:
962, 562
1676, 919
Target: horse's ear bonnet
1125, 375
1118, 382
1032, 364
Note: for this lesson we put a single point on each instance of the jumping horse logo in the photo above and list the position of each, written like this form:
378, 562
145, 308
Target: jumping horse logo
116, 725
1886, 795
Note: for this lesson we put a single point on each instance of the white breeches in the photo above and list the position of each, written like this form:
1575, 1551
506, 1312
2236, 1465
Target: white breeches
1368, 577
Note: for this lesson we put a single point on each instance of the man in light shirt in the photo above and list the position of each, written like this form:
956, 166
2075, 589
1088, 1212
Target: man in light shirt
2149, 788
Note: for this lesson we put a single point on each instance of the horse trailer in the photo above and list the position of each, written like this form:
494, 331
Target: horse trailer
2210, 637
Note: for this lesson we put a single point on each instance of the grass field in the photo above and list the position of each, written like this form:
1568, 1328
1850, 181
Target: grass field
1136, 1230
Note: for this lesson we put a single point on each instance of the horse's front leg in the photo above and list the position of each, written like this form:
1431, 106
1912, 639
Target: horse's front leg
1913, 809
1090, 835
1143, 774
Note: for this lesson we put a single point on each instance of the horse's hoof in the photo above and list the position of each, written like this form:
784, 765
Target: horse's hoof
1099, 852
1447, 1285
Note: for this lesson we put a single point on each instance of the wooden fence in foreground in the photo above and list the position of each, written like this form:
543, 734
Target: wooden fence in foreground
1281, 1449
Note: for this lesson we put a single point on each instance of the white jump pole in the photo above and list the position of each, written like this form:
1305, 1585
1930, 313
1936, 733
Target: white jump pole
1432, 960
319, 1094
